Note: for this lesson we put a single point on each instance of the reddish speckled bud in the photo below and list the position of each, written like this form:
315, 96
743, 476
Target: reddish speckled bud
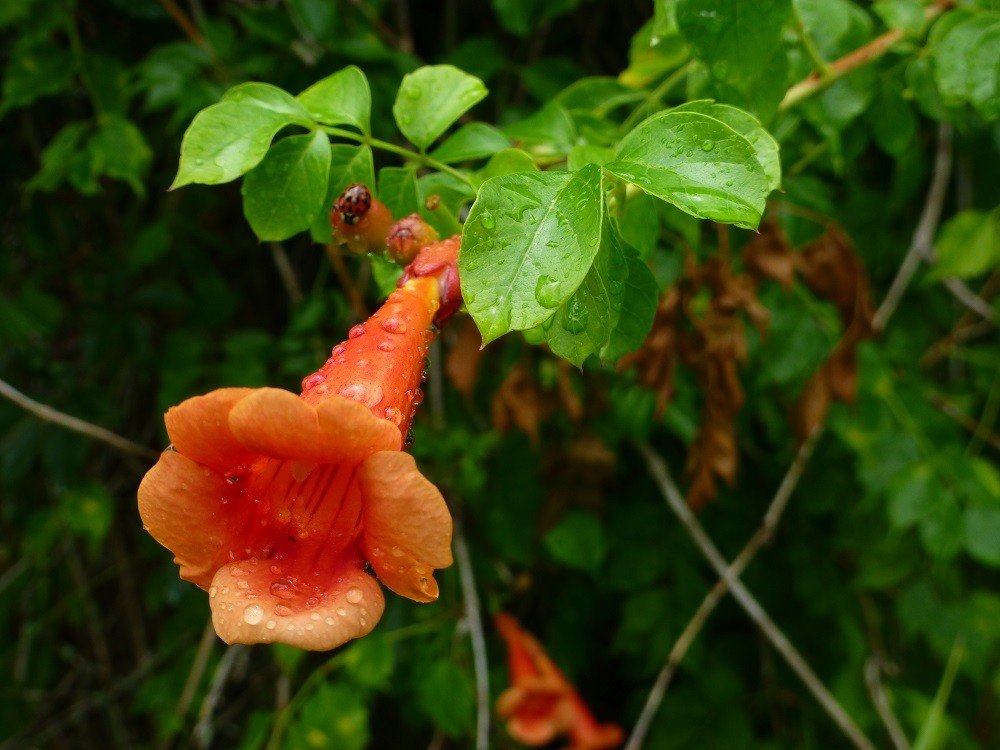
359, 220
407, 236
439, 261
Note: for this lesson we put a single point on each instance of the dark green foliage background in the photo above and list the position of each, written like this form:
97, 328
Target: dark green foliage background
118, 299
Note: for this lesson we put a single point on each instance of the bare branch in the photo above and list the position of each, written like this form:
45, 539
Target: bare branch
675, 501
875, 49
287, 274
923, 238
75, 424
873, 679
473, 616
763, 535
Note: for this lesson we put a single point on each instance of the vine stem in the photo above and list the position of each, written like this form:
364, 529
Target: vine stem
420, 158
875, 49
762, 536
75, 424
656, 95
473, 615
675, 501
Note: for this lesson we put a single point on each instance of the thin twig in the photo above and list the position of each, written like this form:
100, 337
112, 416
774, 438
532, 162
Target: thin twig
231, 659
873, 679
960, 291
675, 500
948, 408
195, 674
873, 50
75, 424
287, 274
763, 535
473, 616
354, 297
181, 19
923, 238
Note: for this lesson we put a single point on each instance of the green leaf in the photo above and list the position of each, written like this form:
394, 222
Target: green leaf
982, 534
736, 39
37, 68
348, 164
548, 132
577, 541
599, 95
397, 189
477, 140
431, 98
119, 150
901, 14
583, 324
635, 317
967, 62
62, 157
524, 227
933, 731
764, 146
342, 98
508, 161
698, 164
334, 716
445, 695
230, 138
369, 661
284, 193
521, 17
892, 121
968, 245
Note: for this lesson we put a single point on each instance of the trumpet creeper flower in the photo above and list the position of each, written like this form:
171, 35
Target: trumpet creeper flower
279, 504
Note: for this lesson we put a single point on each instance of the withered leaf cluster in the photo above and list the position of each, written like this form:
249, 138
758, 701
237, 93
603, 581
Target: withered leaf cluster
701, 324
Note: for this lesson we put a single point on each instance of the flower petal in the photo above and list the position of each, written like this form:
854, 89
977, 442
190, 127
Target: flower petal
199, 428
184, 507
278, 423
248, 607
407, 525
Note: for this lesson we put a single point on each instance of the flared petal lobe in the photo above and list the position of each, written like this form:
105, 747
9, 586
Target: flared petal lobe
248, 607
407, 525
186, 508
199, 428
279, 424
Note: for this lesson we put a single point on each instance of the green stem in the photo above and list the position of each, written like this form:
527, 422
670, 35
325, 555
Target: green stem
656, 95
818, 61
415, 156
76, 49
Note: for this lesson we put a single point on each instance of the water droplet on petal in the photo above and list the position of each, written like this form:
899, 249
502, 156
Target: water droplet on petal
340, 611
355, 332
312, 381
386, 346
253, 614
354, 596
394, 325
213, 591
270, 624
282, 611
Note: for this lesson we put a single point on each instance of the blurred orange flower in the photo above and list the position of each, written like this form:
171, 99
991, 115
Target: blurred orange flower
274, 502
541, 704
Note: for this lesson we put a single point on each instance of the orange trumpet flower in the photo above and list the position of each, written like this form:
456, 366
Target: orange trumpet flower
541, 704
275, 502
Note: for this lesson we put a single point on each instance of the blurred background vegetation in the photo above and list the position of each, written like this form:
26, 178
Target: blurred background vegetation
119, 299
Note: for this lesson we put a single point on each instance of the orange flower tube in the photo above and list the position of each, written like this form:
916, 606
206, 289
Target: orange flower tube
275, 503
541, 704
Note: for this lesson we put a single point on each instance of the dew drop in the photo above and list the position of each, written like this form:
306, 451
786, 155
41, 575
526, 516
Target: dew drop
368, 395
329, 621
707, 145
242, 585
413, 93
213, 591
488, 221
338, 350
253, 614
575, 320
547, 292
394, 325
393, 416
312, 381
354, 596
282, 611
355, 332
270, 624
386, 346
314, 616
340, 611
